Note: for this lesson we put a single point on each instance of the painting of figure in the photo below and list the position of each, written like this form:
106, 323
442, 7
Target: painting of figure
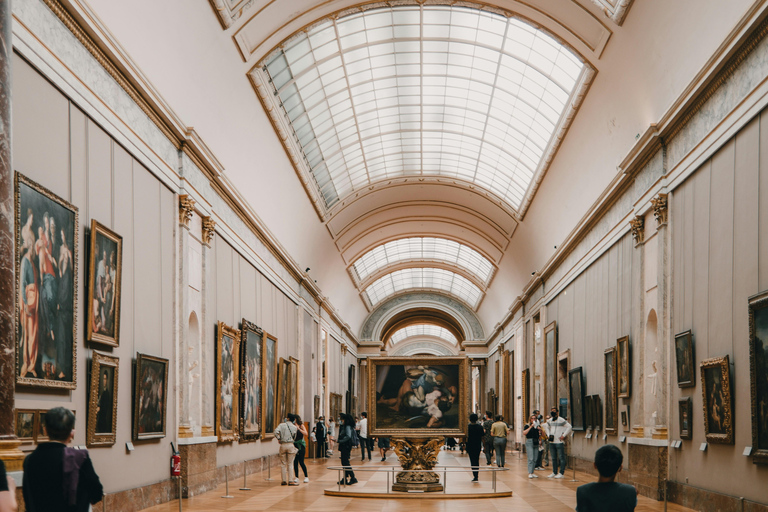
576, 390
102, 402
269, 381
228, 383
550, 355
418, 395
622, 353
684, 359
104, 278
589, 407
46, 270
25, 425
716, 394
150, 391
611, 399
250, 396
685, 410
758, 362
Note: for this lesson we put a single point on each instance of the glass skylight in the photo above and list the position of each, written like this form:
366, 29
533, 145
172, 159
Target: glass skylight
424, 248
423, 330
424, 278
424, 90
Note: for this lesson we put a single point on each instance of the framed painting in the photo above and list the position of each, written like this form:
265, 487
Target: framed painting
316, 407
684, 360
335, 406
293, 385
227, 417
46, 287
576, 392
624, 419
550, 365
758, 374
623, 376
351, 389
589, 418
26, 425
269, 385
716, 394
150, 397
418, 396
251, 345
105, 271
101, 428
598, 412
685, 411
41, 432
526, 380
611, 398
283, 369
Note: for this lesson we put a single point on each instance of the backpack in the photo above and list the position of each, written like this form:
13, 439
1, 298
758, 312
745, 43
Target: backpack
355, 438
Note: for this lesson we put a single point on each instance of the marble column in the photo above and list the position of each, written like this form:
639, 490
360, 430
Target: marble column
663, 308
9, 452
186, 212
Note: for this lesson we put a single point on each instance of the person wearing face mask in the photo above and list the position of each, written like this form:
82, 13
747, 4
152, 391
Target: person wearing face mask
557, 429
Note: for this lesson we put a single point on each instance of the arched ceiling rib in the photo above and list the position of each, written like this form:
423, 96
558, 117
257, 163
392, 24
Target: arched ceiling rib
434, 279
422, 331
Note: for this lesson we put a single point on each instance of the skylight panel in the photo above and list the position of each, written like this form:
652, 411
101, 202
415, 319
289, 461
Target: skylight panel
420, 70
423, 330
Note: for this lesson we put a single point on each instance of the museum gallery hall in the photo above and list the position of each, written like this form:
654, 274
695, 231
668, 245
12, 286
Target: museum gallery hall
230, 229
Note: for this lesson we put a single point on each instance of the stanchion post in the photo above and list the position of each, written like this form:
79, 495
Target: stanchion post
445, 480
269, 469
245, 483
387, 482
573, 460
179, 478
104, 501
494, 480
226, 480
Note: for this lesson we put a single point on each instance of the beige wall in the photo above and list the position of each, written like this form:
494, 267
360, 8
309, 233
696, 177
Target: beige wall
55, 144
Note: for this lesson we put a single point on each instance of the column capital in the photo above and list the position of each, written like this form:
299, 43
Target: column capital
186, 209
209, 229
660, 209
638, 229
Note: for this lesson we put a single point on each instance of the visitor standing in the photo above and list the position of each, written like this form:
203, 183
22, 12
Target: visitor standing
499, 432
56, 477
487, 438
366, 443
346, 436
606, 495
320, 436
475, 435
383, 444
301, 446
532, 433
331, 434
557, 430
286, 435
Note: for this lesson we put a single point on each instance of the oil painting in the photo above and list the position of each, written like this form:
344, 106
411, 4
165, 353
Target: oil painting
716, 395
251, 342
684, 360
104, 284
611, 399
26, 425
228, 382
576, 391
102, 402
623, 367
685, 412
150, 397
269, 385
758, 374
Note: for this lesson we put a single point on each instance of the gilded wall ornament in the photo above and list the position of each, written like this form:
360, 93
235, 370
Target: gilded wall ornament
660, 208
209, 229
186, 209
638, 229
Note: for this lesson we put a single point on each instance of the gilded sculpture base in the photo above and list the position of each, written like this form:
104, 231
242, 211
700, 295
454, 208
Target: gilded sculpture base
11, 455
417, 455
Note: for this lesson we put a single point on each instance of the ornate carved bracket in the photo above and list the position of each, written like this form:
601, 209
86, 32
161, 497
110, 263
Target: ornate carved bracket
638, 229
209, 229
343, 349
186, 209
660, 208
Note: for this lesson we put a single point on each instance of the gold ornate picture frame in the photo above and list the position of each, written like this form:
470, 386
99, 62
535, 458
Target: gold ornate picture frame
406, 393
526, 392
623, 368
283, 370
26, 425
550, 365
251, 360
716, 399
611, 395
150, 397
101, 427
758, 375
269, 366
46, 302
105, 271
227, 419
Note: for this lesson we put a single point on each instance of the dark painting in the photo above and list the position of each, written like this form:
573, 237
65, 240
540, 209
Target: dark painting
46, 247
611, 399
270, 381
104, 406
151, 397
25, 425
759, 376
716, 400
576, 390
685, 411
684, 359
251, 393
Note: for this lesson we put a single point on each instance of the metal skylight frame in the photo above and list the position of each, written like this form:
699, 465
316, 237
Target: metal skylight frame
422, 330
423, 249
437, 279
379, 92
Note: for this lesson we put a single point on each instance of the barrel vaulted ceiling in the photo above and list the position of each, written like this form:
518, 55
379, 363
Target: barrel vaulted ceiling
421, 129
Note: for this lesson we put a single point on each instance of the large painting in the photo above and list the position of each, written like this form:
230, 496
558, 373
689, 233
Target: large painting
251, 343
293, 385
758, 371
102, 401
46, 288
351, 389
685, 411
335, 406
227, 382
716, 394
684, 359
418, 396
150, 397
282, 404
526, 379
623, 369
104, 277
611, 398
550, 361
269, 385
576, 391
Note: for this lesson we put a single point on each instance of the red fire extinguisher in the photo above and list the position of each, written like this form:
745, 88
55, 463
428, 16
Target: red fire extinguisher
175, 462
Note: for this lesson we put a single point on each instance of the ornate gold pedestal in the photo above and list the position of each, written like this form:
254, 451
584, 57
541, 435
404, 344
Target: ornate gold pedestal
418, 454
11, 455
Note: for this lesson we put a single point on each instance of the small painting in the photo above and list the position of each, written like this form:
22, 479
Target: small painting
41, 432
251, 344
623, 376
150, 397
684, 360
716, 394
418, 396
598, 405
526, 379
589, 419
624, 419
46, 302
269, 383
228, 383
758, 375
102, 402
104, 278
685, 409
611, 399
576, 392
26, 425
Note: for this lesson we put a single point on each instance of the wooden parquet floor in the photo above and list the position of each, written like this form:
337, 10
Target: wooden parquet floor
529, 495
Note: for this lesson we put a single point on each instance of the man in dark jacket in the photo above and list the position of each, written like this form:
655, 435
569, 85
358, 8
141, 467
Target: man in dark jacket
58, 478
475, 435
487, 437
320, 436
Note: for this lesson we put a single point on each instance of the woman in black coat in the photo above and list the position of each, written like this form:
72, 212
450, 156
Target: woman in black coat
475, 434
346, 433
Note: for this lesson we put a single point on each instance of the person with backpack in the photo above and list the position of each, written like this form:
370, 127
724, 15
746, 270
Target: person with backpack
487, 437
347, 440
286, 436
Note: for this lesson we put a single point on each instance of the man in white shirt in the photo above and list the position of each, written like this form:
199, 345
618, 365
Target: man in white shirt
557, 429
365, 442
285, 433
